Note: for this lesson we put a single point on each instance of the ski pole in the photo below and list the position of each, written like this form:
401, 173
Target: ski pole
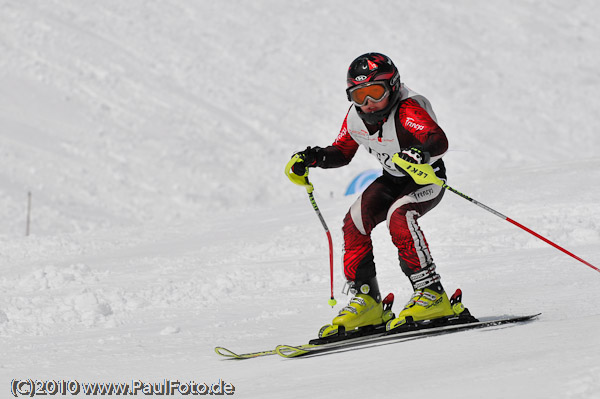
303, 181
423, 174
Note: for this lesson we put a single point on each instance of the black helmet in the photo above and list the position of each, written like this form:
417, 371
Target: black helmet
369, 68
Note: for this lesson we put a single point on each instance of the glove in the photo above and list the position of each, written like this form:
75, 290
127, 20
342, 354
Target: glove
309, 158
414, 154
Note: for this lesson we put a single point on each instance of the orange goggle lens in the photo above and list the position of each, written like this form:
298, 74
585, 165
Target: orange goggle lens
376, 91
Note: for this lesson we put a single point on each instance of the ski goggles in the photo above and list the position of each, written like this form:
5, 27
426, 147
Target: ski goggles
375, 91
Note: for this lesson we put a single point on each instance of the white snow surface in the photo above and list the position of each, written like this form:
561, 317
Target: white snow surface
152, 136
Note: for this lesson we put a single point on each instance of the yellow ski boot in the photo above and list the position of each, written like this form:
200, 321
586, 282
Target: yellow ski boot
425, 304
364, 309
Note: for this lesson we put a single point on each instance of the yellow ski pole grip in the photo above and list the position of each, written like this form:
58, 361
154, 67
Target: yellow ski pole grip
294, 178
422, 173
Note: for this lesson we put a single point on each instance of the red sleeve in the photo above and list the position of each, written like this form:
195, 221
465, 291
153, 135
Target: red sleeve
421, 128
342, 150
344, 142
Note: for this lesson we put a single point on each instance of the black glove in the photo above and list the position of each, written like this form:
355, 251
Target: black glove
414, 154
309, 158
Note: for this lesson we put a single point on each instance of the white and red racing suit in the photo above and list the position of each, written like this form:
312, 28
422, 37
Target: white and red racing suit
393, 196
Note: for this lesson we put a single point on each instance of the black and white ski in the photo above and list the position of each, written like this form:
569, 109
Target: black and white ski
383, 338
376, 337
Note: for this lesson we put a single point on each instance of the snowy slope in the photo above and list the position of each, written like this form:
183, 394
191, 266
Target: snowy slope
153, 135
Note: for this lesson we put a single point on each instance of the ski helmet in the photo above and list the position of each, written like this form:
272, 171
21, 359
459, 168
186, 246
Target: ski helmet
367, 69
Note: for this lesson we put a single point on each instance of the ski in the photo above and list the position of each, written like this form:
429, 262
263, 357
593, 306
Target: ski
381, 338
375, 336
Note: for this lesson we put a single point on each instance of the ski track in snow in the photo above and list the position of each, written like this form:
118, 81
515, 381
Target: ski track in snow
153, 135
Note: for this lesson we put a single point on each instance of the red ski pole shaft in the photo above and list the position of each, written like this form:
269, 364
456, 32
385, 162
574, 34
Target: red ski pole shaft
519, 225
551, 243
332, 300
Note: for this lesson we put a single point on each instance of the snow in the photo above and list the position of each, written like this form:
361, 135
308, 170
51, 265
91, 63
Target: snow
152, 137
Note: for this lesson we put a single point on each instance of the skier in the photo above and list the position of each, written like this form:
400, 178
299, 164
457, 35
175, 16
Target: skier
386, 118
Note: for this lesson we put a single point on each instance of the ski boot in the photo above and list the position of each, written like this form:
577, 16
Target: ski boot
425, 304
429, 300
365, 309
